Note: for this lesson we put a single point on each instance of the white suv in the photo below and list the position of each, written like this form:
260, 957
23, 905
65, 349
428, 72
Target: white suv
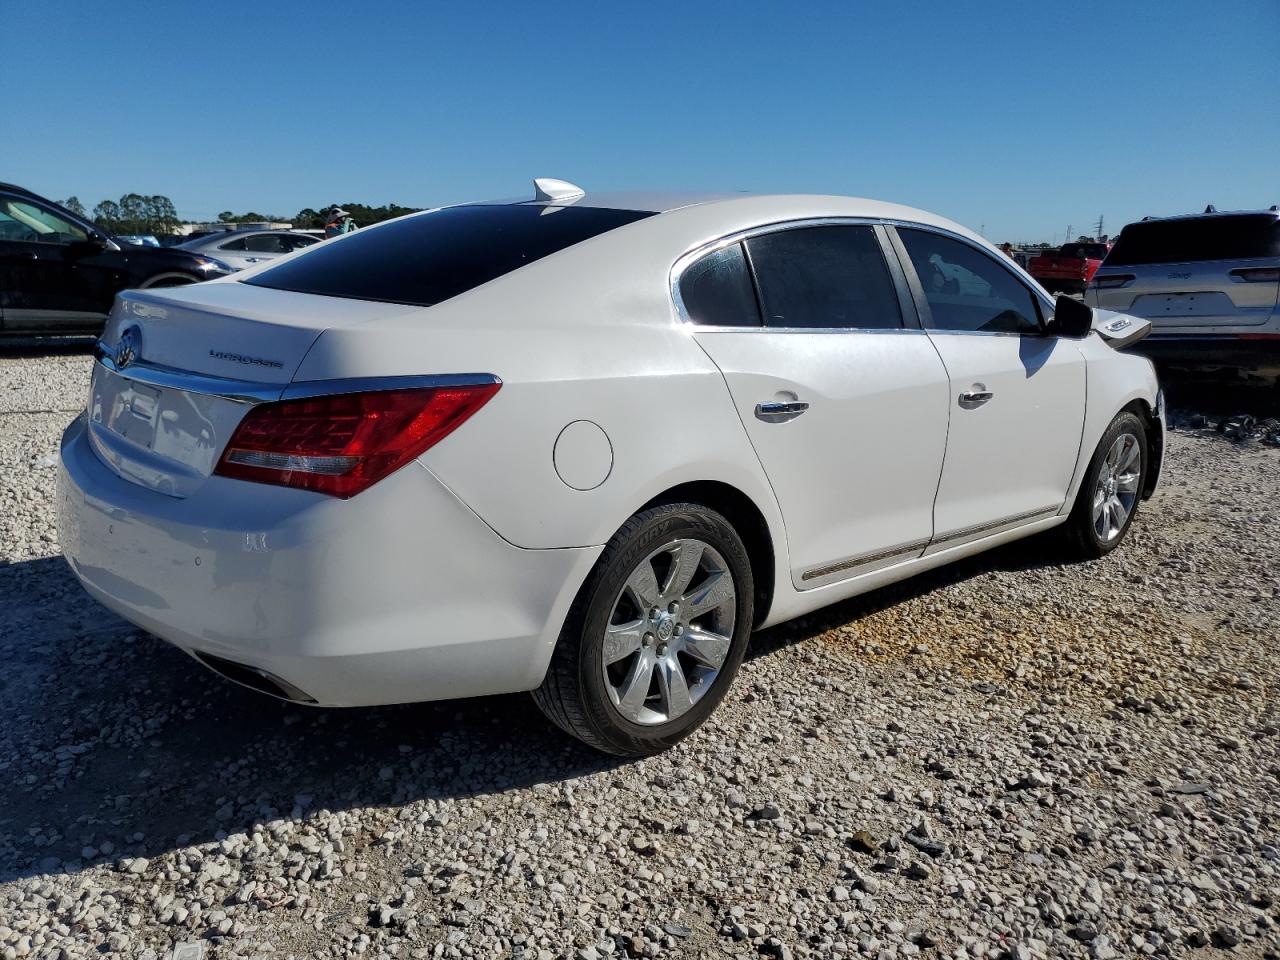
1209, 285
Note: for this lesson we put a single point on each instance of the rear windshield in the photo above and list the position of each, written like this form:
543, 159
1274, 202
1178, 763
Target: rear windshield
423, 260
1197, 238
1084, 251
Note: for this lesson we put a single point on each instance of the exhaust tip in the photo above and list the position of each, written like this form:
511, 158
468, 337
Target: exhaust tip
255, 678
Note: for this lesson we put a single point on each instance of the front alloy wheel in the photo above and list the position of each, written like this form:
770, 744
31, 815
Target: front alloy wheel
1110, 491
655, 635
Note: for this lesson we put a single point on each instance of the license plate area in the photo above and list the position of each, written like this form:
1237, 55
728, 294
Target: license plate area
134, 414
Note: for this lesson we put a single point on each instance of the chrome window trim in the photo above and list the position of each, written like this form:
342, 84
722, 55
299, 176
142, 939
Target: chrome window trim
689, 257
246, 391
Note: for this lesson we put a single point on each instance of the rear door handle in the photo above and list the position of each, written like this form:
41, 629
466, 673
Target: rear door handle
780, 412
975, 397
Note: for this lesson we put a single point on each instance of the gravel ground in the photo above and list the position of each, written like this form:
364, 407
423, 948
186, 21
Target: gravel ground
1006, 758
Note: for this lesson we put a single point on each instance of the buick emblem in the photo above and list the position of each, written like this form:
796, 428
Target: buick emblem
129, 348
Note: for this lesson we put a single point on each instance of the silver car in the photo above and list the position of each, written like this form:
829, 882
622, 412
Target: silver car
244, 248
1209, 284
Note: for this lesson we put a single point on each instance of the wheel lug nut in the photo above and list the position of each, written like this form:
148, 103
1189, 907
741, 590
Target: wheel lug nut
674, 608
679, 629
662, 649
648, 640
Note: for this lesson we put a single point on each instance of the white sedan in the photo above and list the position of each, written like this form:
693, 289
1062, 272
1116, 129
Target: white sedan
246, 248
585, 444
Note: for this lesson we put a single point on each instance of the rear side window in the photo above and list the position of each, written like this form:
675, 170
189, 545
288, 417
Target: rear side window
425, 259
824, 277
717, 291
266, 243
1197, 238
966, 289
233, 245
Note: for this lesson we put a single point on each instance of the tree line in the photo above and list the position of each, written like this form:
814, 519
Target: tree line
132, 214
135, 213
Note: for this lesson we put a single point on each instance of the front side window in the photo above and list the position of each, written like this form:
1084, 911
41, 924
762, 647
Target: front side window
298, 241
427, 258
824, 277
25, 222
966, 289
717, 291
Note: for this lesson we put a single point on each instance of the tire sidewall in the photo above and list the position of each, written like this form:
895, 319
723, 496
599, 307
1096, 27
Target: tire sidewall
666, 524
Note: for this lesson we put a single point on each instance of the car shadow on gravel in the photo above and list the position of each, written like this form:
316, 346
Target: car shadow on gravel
116, 737
1032, 553
110, 735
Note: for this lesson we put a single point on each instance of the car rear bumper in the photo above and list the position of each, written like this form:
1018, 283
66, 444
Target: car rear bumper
1233, 353
399, 594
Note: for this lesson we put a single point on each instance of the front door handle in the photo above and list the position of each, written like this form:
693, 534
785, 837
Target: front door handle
975, 397
780, 411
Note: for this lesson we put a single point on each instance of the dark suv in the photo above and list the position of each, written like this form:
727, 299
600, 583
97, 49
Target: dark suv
59, 273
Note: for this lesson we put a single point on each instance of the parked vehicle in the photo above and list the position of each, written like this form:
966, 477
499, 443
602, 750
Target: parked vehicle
1070, 269
584, 445
1209, 285
139, 239
59, 273
244, 248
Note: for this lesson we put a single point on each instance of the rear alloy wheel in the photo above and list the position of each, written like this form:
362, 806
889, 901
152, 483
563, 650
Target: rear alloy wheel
655, 635
1111, 489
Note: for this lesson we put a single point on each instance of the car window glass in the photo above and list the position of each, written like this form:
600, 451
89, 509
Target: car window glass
716, 290
1244, 237
427, 258
266, 243
237, 244
966, 289
824, 277
20, 220
295, 243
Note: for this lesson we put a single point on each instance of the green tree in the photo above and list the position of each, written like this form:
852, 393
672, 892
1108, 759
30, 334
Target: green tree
107, 215
74, 205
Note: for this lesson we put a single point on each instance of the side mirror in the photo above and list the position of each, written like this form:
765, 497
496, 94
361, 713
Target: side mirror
1071, 318
94, 243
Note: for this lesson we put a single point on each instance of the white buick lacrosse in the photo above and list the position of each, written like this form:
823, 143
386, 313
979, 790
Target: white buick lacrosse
585, 444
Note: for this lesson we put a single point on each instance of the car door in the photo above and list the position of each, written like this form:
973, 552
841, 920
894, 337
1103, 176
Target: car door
843, 397
265, 246
1017, 395
52, 278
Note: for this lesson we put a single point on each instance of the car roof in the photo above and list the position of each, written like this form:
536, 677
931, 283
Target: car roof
744, 205
1212, 215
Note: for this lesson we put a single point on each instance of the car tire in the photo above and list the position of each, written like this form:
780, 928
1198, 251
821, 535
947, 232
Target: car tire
635, 702
1111, 490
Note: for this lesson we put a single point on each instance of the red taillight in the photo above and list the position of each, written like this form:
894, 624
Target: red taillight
342, 444
1105, 281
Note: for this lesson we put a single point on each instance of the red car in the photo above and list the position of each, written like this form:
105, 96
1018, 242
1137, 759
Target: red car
1070, 269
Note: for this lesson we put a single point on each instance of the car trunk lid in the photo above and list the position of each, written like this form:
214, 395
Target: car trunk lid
179, 368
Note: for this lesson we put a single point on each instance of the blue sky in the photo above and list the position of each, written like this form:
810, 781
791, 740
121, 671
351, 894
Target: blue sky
1017, 118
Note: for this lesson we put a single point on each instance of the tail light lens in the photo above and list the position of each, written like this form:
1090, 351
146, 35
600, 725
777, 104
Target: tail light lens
340, 445
1257, 274
1107, 281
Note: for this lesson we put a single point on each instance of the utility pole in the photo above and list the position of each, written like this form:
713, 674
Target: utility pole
1067, 239
1097, 233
